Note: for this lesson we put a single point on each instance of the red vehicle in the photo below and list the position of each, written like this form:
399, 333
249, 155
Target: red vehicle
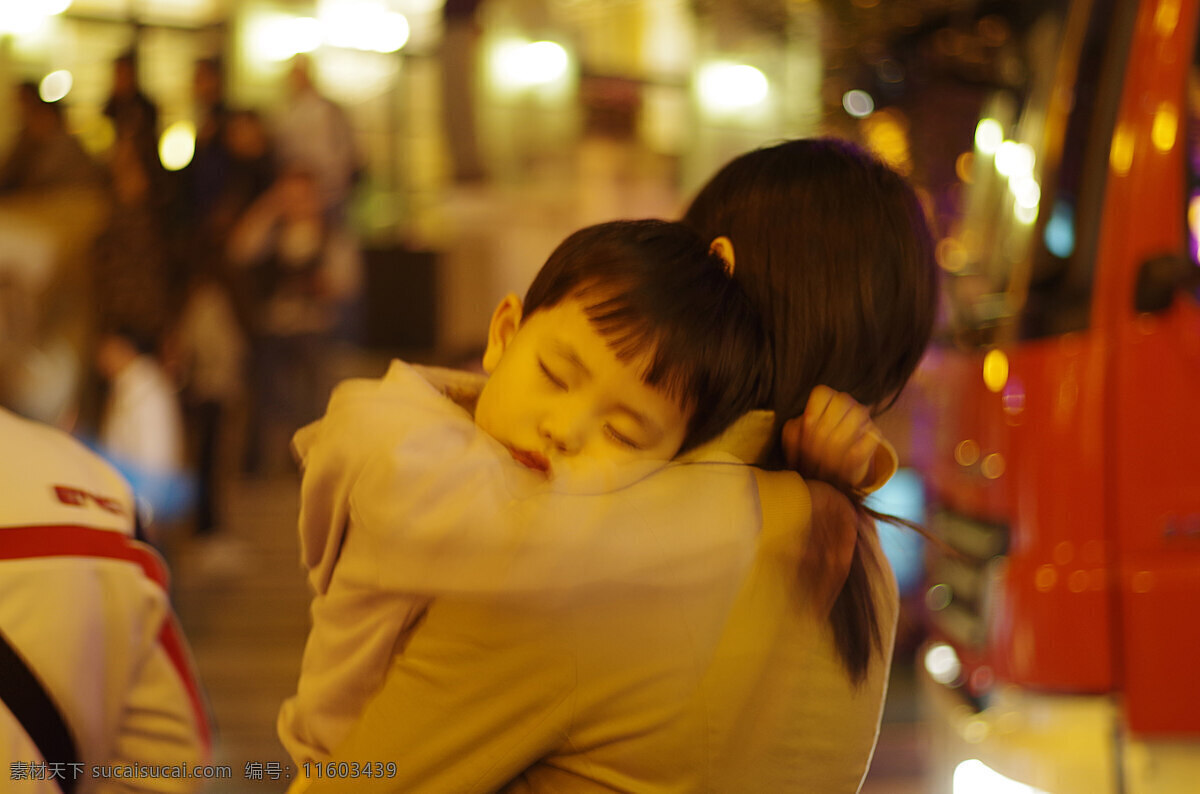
1064, 650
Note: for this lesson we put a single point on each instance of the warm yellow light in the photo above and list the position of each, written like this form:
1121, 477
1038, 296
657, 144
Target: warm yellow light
995, 370
1166, 17
55, 85
975, 777
1165, 127
858, 103
362, 25
963, 165
1026, 191
951, 254
1015, 160
992, 466
177, 145
1025, 215
725, 87
20, 18
942, 664
988, 136
278, 37
1120, 155
967, 452
518, 65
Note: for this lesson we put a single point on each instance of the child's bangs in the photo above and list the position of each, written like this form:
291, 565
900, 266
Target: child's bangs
631, 332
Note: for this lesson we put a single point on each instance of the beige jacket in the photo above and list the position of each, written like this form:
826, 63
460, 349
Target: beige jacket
715, 675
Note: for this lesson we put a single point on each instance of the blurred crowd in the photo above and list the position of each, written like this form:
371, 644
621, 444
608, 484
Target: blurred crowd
178, 319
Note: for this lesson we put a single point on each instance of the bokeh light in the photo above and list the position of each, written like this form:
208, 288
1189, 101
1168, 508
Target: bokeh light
518, 65
988, 136
942, 664
177, 145
858, 103
995, 370
975, 777
725, 87
55, 85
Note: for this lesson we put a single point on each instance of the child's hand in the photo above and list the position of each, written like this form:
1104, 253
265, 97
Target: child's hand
833, 440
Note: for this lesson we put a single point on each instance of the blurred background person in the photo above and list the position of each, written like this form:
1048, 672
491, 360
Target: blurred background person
134, 115
206, 352
45, 154
314, 134
141, 426
304, 277
94, 668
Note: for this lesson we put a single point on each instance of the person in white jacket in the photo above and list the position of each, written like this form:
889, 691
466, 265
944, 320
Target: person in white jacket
85, 610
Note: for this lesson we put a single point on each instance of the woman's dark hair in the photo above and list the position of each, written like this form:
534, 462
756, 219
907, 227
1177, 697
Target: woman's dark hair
834, 249
653, 287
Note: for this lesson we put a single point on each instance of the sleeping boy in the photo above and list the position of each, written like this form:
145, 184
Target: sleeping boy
633, 347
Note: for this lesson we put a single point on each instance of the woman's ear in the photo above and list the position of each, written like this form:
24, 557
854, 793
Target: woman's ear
723, 247
505, 322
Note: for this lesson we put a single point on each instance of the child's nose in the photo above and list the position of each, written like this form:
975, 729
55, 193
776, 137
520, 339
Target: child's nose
565, 432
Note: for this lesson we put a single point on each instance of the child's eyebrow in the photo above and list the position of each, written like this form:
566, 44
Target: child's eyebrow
641, 419
568, 352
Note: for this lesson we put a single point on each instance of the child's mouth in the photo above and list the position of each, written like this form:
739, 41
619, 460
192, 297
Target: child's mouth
530, 460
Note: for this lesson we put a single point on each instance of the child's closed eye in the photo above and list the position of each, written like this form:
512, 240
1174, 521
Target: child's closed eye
621, 438
550, 376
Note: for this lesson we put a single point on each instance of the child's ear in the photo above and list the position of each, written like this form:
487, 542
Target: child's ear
505, 322
723, 247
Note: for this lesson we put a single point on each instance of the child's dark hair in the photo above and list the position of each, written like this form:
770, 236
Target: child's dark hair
653, 287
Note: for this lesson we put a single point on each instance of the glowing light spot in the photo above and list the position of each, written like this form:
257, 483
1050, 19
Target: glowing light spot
1013, 397
362, 25
1015, 160
975, 777
942, 664
967, 452
278, 37
1024, 215
1026, 191
520, 65
1142, 582
21, 18
982, 679
975, 731
725, 87
938, 597
392, 34
858, 103
951, 254
177, 145
55, 85
1064, 552
1045, 578
1077, 582
988, 136
1166, 17
995, 370
1120, 155
1059, 234
1165, 127
993, 466
963, 165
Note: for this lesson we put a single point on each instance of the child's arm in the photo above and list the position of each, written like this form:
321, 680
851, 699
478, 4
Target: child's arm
439, 507
836, 441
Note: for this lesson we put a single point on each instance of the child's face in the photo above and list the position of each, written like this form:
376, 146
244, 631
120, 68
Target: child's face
558, 395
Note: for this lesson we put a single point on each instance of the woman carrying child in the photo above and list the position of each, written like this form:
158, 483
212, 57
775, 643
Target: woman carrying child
749, 685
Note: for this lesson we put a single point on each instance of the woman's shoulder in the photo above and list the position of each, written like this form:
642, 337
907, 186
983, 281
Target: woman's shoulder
747, 440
